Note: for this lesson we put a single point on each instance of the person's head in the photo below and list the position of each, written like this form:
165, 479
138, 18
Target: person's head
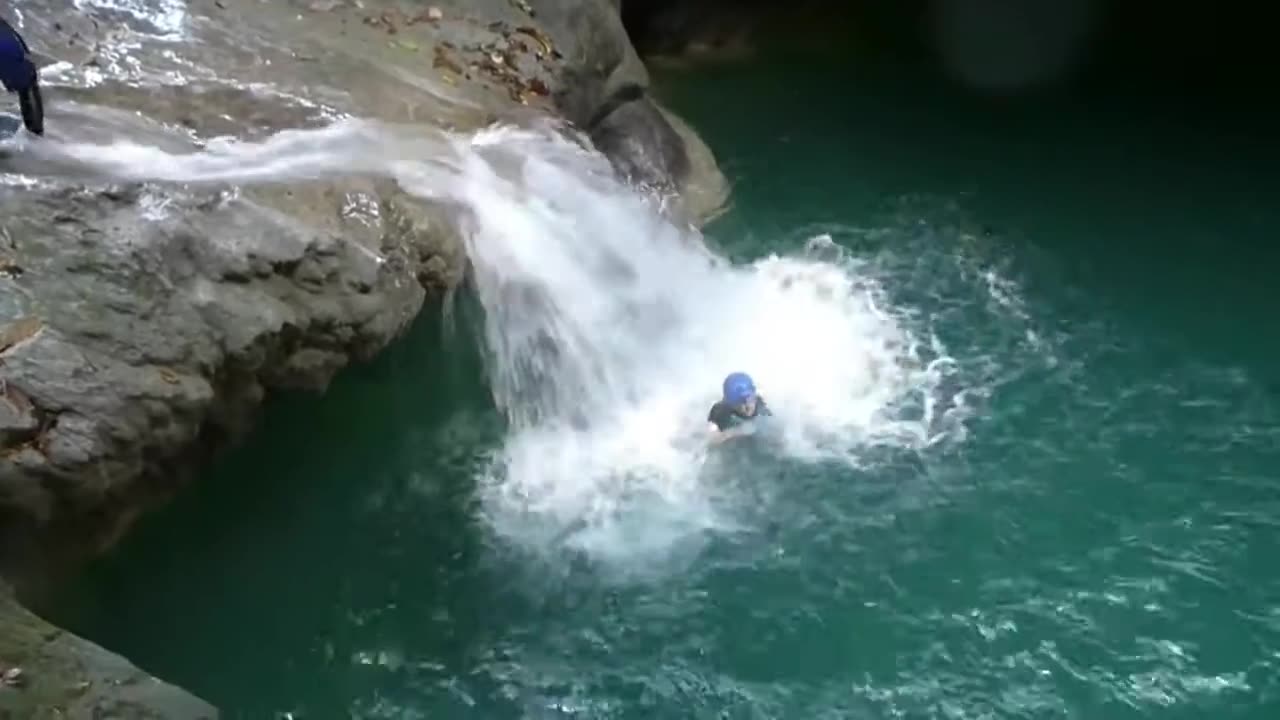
740, 391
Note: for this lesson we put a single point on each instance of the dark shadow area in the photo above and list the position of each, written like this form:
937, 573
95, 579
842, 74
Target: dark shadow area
1184, 57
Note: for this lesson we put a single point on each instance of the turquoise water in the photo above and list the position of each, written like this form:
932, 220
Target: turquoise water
1093, 541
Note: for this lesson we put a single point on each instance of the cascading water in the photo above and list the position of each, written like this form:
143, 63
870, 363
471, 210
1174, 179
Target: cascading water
608, 328
1097, 546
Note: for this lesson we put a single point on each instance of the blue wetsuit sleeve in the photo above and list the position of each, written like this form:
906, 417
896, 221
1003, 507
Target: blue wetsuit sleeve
17, 72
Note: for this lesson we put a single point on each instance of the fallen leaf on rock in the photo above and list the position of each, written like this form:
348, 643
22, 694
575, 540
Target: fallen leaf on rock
540, 37
431, 15
386, 20
16, 399
19, 330
13, 677
442, 60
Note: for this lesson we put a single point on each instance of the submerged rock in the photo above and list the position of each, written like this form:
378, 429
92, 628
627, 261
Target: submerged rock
142, 324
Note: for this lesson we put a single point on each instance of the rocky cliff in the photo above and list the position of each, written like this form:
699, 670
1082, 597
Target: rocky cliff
142, 325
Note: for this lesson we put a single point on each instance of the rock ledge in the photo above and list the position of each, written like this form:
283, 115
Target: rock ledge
142, 325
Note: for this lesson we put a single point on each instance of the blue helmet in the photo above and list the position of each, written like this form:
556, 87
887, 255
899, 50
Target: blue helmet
738, 388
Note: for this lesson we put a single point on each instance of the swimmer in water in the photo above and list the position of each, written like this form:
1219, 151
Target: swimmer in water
739, 405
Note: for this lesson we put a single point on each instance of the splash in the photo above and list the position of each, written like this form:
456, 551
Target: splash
608, 329
164, 19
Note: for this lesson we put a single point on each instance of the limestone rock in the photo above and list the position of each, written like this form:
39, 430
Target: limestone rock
47, 673
167, 313
607, 95
142, 325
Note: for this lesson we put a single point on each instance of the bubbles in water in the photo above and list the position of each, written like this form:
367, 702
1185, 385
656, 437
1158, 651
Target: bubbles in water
608, 330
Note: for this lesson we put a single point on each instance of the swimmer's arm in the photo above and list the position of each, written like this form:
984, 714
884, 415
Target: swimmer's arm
714, 434
719, 436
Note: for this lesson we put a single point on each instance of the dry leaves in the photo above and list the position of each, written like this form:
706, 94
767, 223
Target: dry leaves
497, 60
392, 20
18, 331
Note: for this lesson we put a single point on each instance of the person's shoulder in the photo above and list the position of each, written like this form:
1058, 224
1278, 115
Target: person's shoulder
719, 414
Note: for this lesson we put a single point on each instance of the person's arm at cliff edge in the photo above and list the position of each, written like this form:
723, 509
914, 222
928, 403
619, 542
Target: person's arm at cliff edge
18, 75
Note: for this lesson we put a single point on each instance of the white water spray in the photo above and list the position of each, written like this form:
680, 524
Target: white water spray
608, 329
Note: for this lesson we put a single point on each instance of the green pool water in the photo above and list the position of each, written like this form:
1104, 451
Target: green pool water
1098, 543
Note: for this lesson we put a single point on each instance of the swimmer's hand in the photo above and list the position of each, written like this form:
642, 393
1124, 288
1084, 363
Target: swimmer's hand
718, 436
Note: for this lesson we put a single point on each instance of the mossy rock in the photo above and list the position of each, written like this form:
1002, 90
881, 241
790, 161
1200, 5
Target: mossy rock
56, 674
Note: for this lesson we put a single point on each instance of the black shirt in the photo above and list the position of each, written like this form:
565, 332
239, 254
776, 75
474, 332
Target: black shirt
725, 416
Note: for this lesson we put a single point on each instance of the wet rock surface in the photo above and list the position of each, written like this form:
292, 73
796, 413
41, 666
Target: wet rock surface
142, 325
46, 673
